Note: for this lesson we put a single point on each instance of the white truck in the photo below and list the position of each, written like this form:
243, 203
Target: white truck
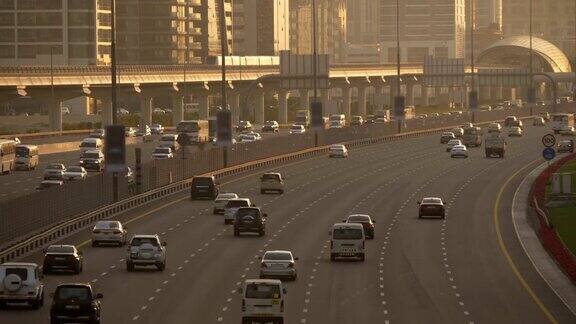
495, 145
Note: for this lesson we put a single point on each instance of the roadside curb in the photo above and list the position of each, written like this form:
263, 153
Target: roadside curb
543, 261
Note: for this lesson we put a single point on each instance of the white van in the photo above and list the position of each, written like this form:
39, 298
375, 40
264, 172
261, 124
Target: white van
262, 301
89, 144
347, 241
27, 157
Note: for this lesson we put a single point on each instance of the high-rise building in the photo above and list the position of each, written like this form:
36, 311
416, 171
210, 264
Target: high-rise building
488, 13
73, 32
363, 21
260, 27
331, 35
552, 20
427, 27
165, 32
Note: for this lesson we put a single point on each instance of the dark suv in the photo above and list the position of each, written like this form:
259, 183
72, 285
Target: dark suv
250, 220
75, 303
431, 207
204, 188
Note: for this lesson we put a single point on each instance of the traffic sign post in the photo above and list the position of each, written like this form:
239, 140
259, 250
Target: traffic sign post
548, 153
549, 140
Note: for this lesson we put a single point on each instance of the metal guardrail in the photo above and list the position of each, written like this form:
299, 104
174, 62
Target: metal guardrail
352, 137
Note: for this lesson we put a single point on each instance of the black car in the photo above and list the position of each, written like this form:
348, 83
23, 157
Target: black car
366, 222
204, 188
271, 126
75, 303
370, 119
62, 257
431, 207
250, 220
244, 125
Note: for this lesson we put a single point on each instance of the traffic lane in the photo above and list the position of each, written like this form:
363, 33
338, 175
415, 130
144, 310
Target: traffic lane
53, 139
117, 256
330, 290
421, 280
494, 282
219, 274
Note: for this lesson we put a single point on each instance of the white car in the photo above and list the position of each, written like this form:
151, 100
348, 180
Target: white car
297, 129
565, 146
335, 125
221, 201
92, 160
45, 184
20, 283
338, 150
248, 138
494, 128
144, 131
515, 131
146, 250
171, 141
567, 131
271, 181
271, 126
458, 132
159, 111
278, 264
347, 241
162, 153
452, 143
232, 207
109, 232
157, 129
75, 172
54, 171
97, 133
263, 301
459, 151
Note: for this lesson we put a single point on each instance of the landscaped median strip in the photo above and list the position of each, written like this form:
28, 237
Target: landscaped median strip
37, 241
548, 232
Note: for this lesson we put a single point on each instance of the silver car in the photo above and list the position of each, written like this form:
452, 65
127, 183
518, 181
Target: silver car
278, 264
109, 232
221, 201
146, 250
75, 173
54, 171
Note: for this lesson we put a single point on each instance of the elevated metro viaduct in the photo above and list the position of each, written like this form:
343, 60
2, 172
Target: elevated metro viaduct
147, 82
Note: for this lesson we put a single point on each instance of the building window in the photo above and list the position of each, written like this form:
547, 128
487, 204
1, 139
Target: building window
7, 4
26, 19
6, 19
27, 35
50, 35
417, 54
49, 49
81, 35
80, 19
7, 36
26, 4
81, 4
7, 51
49, 19
81, 51
441, 52
49, 4
26, 51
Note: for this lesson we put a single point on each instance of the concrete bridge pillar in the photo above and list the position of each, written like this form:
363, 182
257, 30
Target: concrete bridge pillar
425, 95
234, 102
55, 115
378, 97
324, 98
410, 94
304, 99
385, 101
346, 101
362, 101
177, 109
146, 104
259, 108
203, 106
106, 113
282, 106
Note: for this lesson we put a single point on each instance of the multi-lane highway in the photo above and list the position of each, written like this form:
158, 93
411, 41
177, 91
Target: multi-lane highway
416, 270
20, 183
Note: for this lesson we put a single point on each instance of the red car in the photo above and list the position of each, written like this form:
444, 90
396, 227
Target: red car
431, 207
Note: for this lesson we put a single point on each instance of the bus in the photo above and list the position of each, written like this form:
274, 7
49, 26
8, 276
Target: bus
27, 157
7, 155
561, 121
197, 130
472, 136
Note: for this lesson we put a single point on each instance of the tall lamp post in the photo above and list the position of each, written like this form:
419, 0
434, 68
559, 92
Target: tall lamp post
399, 103
113, 61
531, 89
473, 95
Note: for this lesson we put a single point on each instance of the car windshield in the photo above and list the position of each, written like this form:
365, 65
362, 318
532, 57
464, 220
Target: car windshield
22, 151
226, 197
262, 291
296, 127
201, 181
359, 219
431, 201
454, 142
77, 293
60, 249
75, 169
91, 156
88, 144
162, 150
277, 256
347, 234
269, 176
137, 241
448, 134
237, 203
20, 272
107, 225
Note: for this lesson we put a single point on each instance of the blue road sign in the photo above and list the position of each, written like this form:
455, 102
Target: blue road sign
548, 153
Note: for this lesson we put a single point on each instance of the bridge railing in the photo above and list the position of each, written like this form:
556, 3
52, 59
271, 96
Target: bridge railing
33, 213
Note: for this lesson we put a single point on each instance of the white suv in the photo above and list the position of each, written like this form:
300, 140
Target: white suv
262, 300
146, 250
221, 201
20, 283
271, 181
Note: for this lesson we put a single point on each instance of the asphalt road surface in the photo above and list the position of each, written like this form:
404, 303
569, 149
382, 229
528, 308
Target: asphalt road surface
416, 270
21, 182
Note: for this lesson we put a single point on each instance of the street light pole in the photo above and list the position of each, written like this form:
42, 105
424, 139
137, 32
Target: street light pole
52, 101
531, 89
113, 62
224, 50
315, 53
399, 104
473, 95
